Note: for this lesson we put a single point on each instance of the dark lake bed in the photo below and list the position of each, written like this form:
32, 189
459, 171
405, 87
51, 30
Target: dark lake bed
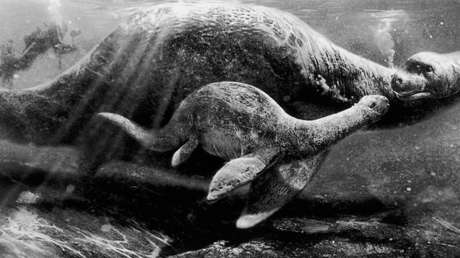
391, 192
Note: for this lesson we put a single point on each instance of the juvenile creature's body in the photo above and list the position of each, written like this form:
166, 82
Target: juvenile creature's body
241, 123
150, 63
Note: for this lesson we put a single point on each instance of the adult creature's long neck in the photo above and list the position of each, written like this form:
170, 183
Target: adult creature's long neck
347, 76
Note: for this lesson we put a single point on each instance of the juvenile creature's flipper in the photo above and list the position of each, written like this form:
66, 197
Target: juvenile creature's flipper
240, 171
184, 152
276, 187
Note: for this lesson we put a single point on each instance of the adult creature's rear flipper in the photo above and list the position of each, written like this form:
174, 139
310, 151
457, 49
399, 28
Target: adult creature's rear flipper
240, 171
277, 187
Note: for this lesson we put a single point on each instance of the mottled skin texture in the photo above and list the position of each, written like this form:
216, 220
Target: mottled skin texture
149, 64
239, 122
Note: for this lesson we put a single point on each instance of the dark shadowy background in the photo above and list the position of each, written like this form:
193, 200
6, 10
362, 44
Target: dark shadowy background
414, 168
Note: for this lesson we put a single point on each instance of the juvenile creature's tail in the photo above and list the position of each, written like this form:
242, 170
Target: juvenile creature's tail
160, 140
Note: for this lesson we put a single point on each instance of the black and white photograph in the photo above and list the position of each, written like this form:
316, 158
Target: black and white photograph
229, 128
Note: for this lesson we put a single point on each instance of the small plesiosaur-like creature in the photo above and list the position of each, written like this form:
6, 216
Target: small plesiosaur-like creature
242, 124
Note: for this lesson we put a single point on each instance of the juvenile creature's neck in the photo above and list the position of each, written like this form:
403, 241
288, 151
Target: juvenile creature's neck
309, 137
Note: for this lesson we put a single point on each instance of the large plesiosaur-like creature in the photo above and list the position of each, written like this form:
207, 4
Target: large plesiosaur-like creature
161, 54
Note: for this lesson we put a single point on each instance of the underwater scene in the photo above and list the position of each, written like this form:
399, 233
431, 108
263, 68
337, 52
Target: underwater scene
295, 128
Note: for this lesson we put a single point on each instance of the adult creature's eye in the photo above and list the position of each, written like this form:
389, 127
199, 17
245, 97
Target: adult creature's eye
419, 68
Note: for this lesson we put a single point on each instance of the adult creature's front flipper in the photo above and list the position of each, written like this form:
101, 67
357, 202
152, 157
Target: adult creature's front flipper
276, 187
279, 185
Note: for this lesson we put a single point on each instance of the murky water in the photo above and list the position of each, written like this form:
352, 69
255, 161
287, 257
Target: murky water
384, 31
414, 167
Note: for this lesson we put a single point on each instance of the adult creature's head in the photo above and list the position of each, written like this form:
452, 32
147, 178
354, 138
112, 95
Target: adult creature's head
438, 76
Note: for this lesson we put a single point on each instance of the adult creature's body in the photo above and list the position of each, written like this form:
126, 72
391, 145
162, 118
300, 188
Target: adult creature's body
149, 64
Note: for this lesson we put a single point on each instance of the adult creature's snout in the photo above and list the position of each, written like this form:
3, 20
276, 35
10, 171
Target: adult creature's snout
428, 75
